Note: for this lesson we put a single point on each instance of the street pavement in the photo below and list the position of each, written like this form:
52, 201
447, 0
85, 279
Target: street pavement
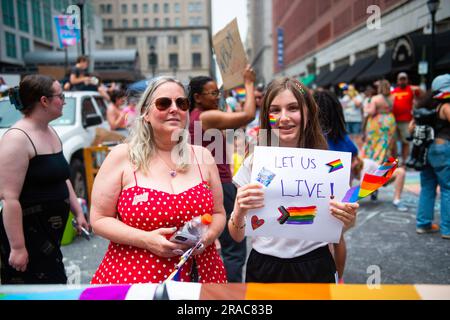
384, 242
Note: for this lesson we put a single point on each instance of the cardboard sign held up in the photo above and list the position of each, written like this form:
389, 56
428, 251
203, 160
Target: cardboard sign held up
230, 55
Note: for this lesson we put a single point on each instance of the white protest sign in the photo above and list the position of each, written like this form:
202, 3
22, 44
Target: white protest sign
301, 182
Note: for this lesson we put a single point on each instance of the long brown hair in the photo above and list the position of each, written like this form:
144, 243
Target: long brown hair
311, 135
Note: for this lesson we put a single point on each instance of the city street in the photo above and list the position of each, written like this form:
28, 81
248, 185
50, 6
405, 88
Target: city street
383, 238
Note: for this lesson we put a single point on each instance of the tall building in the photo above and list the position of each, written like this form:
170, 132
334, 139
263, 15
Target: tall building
28, 26
359, 40
173, 37
259, 39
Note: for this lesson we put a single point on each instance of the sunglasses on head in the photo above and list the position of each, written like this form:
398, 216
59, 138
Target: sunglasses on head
164, 103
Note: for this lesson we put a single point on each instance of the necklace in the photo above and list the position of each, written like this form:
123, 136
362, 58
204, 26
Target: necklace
172, 172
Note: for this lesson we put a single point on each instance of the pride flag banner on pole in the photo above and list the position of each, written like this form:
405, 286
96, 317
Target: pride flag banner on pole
68, 34
372, 182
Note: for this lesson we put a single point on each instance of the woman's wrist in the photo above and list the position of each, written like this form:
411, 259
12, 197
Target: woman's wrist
236, 221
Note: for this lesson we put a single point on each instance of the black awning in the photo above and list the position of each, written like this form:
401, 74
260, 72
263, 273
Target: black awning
380, 68
321, 76
330, 76
349, 75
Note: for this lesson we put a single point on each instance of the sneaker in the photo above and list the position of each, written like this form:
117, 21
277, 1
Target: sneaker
445, 236
434, 228
400, 206
374, 195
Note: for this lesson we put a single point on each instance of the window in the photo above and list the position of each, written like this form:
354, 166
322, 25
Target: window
196, 39
22, 9
166, 22
155, 8
37, 22
172, 40
146, 23
177, 22
125, 23
108, 41
145, 8
156, 22
109, 23
101, 105
8, 13
131, 41
166, 8
135, 23
191, 7
109, 8
176, 7
173, 60
196, 60
198, 7
24, 46
87, 108
135, 8
152, 40
124, 8
11, 50
48, 23
102, 8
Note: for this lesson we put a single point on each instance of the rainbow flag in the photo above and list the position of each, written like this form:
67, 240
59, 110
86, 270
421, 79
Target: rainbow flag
272, 121
297, 215
372, 182
240, 93
335, 165
442, 95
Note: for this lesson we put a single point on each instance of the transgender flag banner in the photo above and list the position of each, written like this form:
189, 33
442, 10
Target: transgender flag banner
68, 33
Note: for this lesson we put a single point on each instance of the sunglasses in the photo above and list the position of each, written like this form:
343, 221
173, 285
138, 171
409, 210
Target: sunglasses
61, 96
164, 103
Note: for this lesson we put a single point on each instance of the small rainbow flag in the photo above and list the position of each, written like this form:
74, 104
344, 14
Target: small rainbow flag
372, 182
442, 95
297, 215
240, 93
272, 121
335, 165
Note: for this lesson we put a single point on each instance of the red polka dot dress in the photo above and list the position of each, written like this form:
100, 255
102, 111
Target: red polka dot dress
124, 264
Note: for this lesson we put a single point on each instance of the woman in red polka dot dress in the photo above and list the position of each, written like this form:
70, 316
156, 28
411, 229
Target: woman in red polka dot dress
151, 186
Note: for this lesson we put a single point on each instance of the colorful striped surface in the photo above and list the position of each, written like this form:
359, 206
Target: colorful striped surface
335, 165
232, 291
272, 121
442, 95
240, 93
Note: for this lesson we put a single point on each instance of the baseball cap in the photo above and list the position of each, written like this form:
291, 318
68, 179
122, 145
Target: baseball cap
440, 85
402, 75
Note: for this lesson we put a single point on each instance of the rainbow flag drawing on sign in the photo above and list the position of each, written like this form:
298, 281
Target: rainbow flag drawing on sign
372, 182
297, 215
335, 165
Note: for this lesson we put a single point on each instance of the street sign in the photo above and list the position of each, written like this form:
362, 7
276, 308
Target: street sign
280, 47
423, 67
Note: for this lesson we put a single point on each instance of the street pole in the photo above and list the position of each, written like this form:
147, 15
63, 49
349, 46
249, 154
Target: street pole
81, 5
433, 28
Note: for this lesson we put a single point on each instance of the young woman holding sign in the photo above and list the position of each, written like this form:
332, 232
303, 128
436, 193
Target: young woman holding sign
288, 107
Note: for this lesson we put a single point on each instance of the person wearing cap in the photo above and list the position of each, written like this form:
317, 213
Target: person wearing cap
437, 173
404, 95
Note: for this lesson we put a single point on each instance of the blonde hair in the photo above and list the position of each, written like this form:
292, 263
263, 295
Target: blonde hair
384, 88
141, 144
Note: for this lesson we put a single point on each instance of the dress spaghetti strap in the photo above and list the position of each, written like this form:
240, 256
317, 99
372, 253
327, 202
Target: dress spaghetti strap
57, 136
35, 151
198, 165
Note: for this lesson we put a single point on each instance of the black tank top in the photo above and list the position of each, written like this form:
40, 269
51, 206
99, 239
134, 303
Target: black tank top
46, 177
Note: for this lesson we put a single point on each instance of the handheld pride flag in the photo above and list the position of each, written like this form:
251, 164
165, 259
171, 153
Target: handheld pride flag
372, 182
240, 93
175, 275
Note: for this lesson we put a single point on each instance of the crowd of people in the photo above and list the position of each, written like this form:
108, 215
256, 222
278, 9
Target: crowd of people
162, 176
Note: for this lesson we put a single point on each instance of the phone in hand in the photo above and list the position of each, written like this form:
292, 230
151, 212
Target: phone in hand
84, 233
184, 238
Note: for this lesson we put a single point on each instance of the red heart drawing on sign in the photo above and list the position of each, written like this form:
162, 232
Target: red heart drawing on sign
256, 223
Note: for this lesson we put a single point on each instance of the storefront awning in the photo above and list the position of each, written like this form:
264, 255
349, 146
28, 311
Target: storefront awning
380, 68
349, 75
329, 78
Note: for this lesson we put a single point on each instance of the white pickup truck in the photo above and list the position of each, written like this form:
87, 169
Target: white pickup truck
82, 113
